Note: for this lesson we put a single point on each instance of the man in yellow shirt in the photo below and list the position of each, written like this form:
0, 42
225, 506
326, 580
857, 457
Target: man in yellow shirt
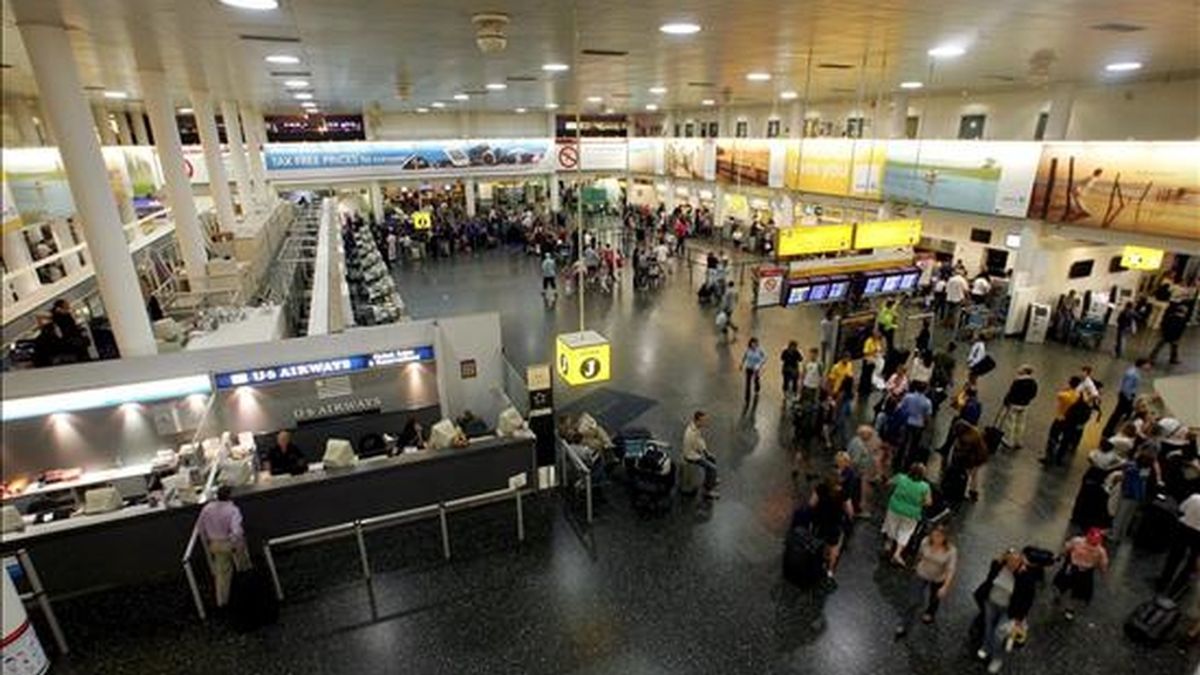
838, 374
872, 347
1063, 400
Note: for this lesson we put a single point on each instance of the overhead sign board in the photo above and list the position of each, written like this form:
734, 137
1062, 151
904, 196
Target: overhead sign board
583, 358
808, 239
1141, 258
421, 220
322, 368
887, 233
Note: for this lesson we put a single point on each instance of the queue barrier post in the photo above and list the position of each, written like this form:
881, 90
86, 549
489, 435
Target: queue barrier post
39, 596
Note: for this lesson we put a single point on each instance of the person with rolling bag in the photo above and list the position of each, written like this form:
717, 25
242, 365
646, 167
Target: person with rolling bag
1004, 600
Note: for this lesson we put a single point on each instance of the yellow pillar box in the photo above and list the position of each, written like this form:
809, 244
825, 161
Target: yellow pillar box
583, 358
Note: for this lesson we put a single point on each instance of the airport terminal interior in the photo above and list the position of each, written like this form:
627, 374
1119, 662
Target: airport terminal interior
600, 338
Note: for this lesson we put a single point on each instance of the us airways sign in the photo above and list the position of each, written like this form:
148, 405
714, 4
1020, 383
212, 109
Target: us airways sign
321, 368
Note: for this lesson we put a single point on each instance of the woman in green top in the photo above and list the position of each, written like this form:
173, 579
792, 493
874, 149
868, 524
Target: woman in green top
910, 495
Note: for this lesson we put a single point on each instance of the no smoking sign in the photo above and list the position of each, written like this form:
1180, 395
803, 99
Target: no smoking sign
568, 157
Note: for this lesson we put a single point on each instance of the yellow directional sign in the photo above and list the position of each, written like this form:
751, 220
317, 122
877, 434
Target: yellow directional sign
805, 239
583, 358
1141, 258
421, 220
887, 233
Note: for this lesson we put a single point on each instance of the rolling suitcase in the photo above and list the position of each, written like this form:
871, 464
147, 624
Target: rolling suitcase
803, 558
1156, 524
1151, 622
993, 434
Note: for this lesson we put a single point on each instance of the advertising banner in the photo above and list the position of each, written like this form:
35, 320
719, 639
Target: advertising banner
1150, 188
10, 217
691, 158
844, 167
37, 184
461, 157
646, 155
744, 160
595, 154
990, 177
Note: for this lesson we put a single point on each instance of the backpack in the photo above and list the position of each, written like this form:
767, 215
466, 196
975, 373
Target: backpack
1079, 413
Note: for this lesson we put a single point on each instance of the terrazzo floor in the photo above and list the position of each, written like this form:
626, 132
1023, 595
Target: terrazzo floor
697, 590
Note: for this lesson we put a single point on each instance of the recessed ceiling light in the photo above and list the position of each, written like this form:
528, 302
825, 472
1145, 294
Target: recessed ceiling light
308, 104
497, 86
551, 106
758, 77
609, 111
651, 107
708, 101
283, 59
302, 96
296, 84
312, 111
680, 28
437, 104
555, 67
595, 99
116, 94
658, 90
912, 85
1120, 66
422, 110
461, 97
947, 52
521, 111
260, 5
789, 95
184, 111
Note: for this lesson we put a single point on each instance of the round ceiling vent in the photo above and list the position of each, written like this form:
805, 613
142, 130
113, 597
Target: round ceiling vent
489, 32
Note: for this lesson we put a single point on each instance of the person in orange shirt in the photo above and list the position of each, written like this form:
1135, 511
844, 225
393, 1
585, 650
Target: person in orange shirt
1063, 400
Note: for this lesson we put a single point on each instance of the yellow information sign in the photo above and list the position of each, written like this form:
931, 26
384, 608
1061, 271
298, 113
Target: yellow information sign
1141, 258
805, 239
421, 220
887, 233
583, 358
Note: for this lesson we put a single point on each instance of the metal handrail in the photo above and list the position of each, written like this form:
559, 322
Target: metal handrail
569, 451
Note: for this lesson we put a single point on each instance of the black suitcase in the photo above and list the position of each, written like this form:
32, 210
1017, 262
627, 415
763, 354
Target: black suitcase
1156, 525
1152, 621
803, 558
993, 438
954, 484
252, 601
986, 365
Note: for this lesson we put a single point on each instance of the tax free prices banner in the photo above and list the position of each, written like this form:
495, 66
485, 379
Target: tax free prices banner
417, 158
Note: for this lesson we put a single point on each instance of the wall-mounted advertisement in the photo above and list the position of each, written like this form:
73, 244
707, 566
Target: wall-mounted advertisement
38, 184
744, 160
991, 177
594, 154
1149, 188
646, 155
691, 158
836, 166
466, 157
10, 217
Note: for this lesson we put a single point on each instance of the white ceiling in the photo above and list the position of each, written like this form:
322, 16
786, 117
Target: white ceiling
360, 52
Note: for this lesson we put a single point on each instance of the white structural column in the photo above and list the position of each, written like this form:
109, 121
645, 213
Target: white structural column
237, 153
796, 120
48, 137
1059, 119
669, 197
469, 193
53, 61
20, 262
899, 117
555, 198
210, 141
376, 191
252, 126
124, 133
140, 135
64, 239
103, 128
179, 187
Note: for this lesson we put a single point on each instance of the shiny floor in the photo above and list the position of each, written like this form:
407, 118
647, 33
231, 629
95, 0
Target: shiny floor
697, 590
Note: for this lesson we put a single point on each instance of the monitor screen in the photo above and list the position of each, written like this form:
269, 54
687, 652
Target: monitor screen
798, 295
819, 292
874, 284
909, 281
891, 282
838, 289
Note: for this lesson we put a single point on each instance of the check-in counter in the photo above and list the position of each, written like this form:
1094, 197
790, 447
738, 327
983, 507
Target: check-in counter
142, 543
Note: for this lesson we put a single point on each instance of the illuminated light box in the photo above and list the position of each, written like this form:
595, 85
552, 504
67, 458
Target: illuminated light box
421, 220
1141, 258
887, 233
583, 358
102, 397
808, 239
341, 365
